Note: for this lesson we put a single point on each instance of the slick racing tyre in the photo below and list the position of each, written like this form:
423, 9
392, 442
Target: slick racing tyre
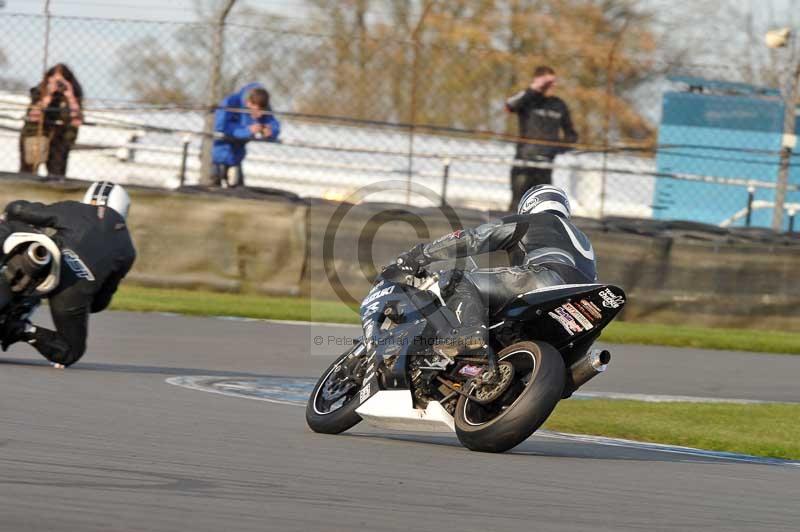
539, 377
331, 408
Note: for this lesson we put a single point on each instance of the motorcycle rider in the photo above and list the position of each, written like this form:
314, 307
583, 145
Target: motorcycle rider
97, 253
544, 249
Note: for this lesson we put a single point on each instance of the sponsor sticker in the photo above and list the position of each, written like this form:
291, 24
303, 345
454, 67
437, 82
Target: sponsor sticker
372, 309
578, 315
561, 321
591, 309
363, 395
455, 235
569, 319
470, 371
610, 299
368, 330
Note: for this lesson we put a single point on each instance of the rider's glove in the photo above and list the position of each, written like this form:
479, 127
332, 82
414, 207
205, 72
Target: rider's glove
17, 331
413, 260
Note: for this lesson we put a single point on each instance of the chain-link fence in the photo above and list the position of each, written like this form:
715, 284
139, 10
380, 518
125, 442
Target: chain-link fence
656, 140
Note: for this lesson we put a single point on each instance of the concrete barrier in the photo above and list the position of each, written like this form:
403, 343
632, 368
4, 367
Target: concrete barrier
201, 239
348, 243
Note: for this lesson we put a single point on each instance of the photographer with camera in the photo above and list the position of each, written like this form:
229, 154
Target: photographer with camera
51, 122
541, 117
241, 117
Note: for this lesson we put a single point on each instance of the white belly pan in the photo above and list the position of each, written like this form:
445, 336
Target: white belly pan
393, 409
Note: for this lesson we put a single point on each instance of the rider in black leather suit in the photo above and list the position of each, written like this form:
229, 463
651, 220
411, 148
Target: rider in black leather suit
544, 249
97, 253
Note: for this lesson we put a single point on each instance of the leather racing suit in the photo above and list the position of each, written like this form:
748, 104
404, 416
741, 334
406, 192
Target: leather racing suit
544, 249
97, 253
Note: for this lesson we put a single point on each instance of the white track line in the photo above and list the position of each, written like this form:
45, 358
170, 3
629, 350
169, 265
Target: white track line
206, 384
200, 384
664, 448
654, 398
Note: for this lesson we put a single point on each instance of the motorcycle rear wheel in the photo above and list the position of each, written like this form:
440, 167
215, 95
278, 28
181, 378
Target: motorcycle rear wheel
320, 416
508, 421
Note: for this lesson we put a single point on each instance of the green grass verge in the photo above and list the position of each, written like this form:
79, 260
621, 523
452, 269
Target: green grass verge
202, 303
768, 430
759, 341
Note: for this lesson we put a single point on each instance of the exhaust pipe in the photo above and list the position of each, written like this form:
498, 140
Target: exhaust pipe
38, 255
27, 267
584, 369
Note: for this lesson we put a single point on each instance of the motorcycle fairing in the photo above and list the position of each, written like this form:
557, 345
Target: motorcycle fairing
411, 308
394, 409
564, 315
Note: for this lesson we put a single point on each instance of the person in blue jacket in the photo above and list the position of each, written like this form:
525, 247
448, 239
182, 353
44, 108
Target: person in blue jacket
241, 117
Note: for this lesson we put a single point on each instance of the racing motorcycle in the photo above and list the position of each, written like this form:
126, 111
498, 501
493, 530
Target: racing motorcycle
30, 268
397, 376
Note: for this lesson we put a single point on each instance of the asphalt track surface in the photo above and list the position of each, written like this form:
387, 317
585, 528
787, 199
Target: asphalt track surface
109, 445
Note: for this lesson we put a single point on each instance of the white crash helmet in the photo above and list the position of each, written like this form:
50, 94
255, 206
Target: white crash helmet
108, 194
545, 198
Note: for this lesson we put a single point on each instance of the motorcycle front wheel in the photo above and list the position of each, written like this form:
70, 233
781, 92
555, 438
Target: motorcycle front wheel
539, 377
331, 407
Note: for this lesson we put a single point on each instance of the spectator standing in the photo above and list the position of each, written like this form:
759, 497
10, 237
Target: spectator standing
241, 117
541, 116
51, 122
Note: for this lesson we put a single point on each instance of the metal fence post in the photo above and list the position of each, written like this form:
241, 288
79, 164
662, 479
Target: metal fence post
751, 191
445, 178
184, 160
214, 94
789, 138
612, 53
45, 60
413, 103
45, 55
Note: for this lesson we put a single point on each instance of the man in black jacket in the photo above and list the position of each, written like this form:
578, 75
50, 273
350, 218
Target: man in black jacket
544, 249
97, 253
541, 117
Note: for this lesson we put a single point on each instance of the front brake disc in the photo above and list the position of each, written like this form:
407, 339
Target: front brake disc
337, 386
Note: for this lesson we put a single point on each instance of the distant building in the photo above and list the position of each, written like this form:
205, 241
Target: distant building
725, 130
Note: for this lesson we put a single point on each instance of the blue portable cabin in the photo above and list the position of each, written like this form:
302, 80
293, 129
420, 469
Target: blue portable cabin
724, 130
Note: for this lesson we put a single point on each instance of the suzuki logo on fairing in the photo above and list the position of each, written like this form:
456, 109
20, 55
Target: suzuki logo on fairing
377, 295
610, 299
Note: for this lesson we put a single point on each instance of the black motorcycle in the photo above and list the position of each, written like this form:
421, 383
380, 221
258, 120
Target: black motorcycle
398, 375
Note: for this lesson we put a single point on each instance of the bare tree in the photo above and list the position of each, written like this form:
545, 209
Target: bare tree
173, 68
472, 54
356, 58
